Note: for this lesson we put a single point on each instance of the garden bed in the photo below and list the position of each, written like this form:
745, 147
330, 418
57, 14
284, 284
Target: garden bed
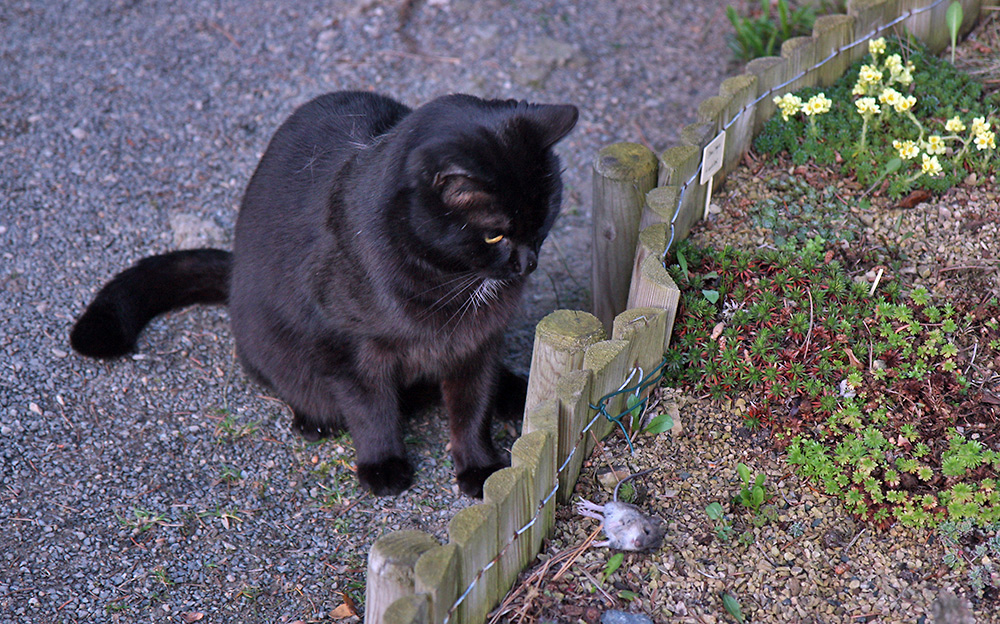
804, 555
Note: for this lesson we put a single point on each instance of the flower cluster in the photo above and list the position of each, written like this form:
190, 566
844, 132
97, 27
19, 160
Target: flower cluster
876, 93
899, 95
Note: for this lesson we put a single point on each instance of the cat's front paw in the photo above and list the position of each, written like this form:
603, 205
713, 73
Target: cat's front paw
471, 480
386, 478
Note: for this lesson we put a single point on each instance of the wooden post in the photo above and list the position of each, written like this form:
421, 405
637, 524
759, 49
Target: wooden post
678, 165
800, 52
390, 570
661, 204
573, 391
832, 32
652, 285
741, 91
412, 609
608, 361
644, 329
869, 15
436, 574
769, 71
474, 529
536, 452
692, 201
623, 174
542, 417
560, 340
507, 489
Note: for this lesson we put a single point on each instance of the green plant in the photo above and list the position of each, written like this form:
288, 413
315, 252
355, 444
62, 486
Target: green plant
723, 528
869, 434
612, 565
900, 117
751, 495
732, 607
763, 34
953, 19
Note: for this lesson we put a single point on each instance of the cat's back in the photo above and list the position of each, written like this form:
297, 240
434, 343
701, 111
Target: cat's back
313, 143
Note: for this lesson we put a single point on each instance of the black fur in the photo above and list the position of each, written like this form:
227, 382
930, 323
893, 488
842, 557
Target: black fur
362, 272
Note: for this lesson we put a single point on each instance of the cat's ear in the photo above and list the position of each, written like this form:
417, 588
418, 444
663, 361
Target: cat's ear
554, 120
458, 188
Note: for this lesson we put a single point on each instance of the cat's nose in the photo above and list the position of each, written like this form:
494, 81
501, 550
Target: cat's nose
527, 261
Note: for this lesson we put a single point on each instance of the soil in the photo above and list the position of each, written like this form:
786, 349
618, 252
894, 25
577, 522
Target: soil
811, 561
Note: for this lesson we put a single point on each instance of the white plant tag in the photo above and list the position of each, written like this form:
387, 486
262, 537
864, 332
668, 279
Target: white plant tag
711, 157
711, 162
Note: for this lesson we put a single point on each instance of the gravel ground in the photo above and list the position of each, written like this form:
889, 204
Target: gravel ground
166, 486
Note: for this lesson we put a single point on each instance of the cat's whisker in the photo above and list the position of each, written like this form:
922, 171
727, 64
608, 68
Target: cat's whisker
450, 296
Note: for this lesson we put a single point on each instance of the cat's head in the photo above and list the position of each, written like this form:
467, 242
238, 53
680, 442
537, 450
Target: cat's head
485, 183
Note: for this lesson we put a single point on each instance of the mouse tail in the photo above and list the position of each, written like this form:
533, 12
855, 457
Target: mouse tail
112, 322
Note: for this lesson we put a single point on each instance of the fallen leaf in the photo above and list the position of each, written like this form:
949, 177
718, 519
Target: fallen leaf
717, 330
192, 616
854, 360
341, 612
918, 196
346, 610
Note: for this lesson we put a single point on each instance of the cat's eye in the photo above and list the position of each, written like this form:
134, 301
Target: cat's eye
493, 240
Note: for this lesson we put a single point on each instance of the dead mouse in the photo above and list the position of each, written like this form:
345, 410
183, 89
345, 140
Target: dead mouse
625, 526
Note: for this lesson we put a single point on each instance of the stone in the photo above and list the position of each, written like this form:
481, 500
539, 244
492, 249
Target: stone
192, 232
622, 617
537, 58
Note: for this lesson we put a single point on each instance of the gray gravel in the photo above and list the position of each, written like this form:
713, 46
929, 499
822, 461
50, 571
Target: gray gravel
166, 486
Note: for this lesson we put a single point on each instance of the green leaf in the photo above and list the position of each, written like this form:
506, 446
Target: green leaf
733, 607
613, 564
711, 295
627, 595
758, 497
743, 472
714, 511
892, 166
660, 424
683, 263
634, 405
953, 18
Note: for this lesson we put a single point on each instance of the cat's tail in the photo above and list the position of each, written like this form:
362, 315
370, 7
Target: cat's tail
111, 323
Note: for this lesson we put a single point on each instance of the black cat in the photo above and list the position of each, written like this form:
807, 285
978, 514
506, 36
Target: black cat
377, 249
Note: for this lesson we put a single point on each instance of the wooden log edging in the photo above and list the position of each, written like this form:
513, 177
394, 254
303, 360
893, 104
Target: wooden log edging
463, 579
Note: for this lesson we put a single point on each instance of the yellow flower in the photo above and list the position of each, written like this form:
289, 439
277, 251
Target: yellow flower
876, 46
986, 140
934, 145
789, 104
930, 165
860, 88
907, 149
904, 104
894, 63
867, 105
817, 104
979, 125
954, 125
870, 73
903, 77
890, 97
